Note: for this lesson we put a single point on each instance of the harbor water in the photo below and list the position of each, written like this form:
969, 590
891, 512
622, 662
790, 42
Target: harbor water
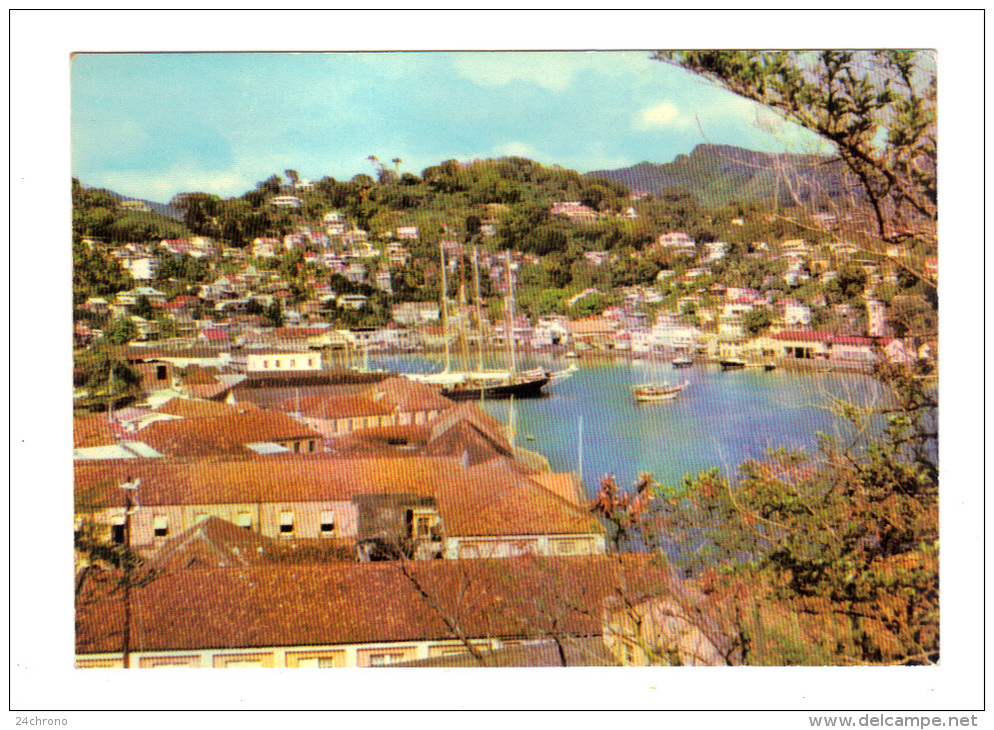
720, 420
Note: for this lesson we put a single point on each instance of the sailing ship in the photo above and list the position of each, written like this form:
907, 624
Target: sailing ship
654, 392
480, 383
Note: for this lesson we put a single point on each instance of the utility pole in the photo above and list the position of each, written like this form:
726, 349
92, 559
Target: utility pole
131, 493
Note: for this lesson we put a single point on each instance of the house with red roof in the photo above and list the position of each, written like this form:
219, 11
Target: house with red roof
548, 611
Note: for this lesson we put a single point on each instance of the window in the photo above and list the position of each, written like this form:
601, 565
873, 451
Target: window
296, 447
286, 523
244, 520
310, 446
160, 372
293, 363
243, 660
629, 654
77, 531
265, 364
327, 523
316, 658
277, 364
310, 362
383, 660
169, 662
160, 526
565, 547
117, 530
422, 527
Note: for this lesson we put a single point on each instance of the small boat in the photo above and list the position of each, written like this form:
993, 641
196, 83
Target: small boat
572, 355
652, 392
682, 362
733, 363
768, 366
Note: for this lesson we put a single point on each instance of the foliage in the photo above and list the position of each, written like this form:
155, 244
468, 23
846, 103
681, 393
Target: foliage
757, 320
877, 109
590, 305
121, 330
96, 274
274, 312
832, 557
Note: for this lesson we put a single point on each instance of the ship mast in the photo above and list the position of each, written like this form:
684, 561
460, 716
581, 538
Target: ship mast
445, 309
479, 316
510, 328
463, 310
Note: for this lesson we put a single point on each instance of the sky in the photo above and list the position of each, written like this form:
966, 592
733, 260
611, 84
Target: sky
155, 124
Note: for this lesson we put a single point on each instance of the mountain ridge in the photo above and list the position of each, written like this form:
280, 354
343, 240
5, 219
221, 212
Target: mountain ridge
721, 174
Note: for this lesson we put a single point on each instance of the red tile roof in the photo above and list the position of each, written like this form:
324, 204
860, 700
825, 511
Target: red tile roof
92, 431
393, 395
191, 408
803, 335
223, 434
213, 543
495, 498
316, 605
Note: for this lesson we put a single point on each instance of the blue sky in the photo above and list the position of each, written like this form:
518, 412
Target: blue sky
152, 125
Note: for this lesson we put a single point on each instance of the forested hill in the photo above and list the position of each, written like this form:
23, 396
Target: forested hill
720, 174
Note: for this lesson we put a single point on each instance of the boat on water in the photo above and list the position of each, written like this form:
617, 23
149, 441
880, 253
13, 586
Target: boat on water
769, 366
653, 392
682, 362
572, 355
483, 384
488, 384
733, 363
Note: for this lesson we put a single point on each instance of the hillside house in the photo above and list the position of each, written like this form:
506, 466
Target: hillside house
576, 211
286, 201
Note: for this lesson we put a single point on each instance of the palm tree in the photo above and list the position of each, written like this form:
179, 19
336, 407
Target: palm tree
396, 161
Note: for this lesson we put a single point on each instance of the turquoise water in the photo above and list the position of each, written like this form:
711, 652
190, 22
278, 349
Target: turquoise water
720, 420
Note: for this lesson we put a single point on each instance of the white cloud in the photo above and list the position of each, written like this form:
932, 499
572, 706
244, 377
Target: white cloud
160, 186
518, 149
550, 70
663, 115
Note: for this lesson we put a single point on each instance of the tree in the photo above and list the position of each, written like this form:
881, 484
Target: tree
143, 308
877, 109
274, 312
121, 331
757, 320
829, 557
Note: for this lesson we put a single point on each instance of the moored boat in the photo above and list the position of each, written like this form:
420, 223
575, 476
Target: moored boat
733, 363
682, 362
652, 392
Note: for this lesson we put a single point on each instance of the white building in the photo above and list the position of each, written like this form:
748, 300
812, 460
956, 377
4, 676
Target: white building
277, 361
